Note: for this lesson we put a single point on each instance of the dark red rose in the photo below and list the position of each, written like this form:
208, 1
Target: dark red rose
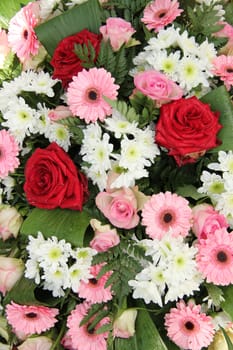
65, 62
52, 180
187, 128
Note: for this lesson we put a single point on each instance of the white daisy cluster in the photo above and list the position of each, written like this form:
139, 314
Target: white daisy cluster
57, 266
172, 274
137, 150
180, 57
23, 120
219, 186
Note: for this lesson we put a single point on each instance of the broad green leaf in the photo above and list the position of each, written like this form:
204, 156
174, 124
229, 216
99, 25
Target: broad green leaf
147, 334
227, 338
189, 191
22, 293
227, 304
8, 8
219, 100
126, 344
84, 16
66, 224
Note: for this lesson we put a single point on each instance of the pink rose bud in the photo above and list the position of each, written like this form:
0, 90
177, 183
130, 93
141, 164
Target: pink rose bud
60, 112
124, 325
157, 86
118, 31
104, 238
10, 222
37, 343
206, 220
11, 270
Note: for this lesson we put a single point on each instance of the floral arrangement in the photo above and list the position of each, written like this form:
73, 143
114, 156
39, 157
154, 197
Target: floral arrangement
116, 175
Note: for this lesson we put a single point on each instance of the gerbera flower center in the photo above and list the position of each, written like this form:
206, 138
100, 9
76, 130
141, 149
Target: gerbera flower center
93, 281
90, 330
31, 315
189, 325
25, 34
222, 256
161, 14
92, 95
167, 217
229, 70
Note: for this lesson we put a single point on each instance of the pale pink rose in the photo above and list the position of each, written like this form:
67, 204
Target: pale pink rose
10, 222
4, 47
206, 220
124, 325
121, 206
60, 112
226, 32
11, 270
104, 238
157, 86
118, 31
37, 343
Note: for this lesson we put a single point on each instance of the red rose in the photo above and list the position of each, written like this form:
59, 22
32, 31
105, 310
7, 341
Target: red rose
52, 180
187, 128
65, 62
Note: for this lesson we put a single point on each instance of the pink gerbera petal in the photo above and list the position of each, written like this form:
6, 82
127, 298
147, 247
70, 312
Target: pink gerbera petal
165, 212
160, 13
223, 67
94, 290
85, 94
30, 319
215, 257
9, 151
188, 328
21, 36
81, 337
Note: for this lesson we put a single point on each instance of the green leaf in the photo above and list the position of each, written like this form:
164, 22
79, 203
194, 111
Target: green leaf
189, 191
63, 223
22, 293
215, 293
126, 344
147, 334
86, 15
228, 302
219, 100
227, 338
8, 8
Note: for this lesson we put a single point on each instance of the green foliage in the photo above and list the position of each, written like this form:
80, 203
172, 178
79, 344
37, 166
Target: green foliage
95, 314
66, 224
228, 300
122, 107
203, 22
227, 338
86, 53
215, 293
123, 261
74, 127
11, 68
229, 13
145, 107
8, 9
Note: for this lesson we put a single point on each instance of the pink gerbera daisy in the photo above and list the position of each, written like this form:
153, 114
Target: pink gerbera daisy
21, 36
188, 327
215, 257
94, 290
82, 337
160, 13
165, 212
30, 319
9, 151
86, 93
223, 67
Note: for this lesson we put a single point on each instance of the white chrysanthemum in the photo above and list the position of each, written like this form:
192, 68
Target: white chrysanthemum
188, 44
32, 270
119, 125
92, 134
132, 156
225, 162
47, 7
225, 206
54, 252
97, 176
207, 53
146, 139
34, 244
228, 181
78, 272
155, 274
58, 133
146, 290
42, 83
212, 184
83, 255
72, 3
166, 38
169, 64
191, 74
8, 183
56, 280
127, 177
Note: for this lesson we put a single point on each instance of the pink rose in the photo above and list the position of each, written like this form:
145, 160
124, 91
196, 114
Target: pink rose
60, 112
10, 222
226, 32
4, 47
37, 343
206, 220
118, 31
157, 86
104, 238
124, 325
11, 270
121, 206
